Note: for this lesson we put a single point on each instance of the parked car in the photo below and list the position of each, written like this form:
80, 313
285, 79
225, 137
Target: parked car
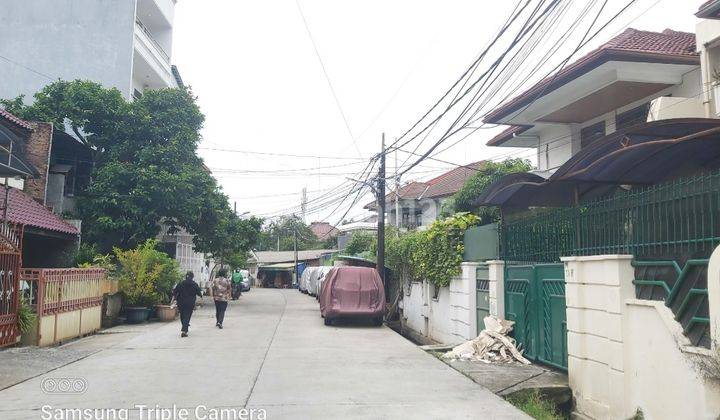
315, 278
352, 292
246, 282
304, 279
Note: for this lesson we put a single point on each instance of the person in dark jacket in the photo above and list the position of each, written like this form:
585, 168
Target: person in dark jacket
185, 294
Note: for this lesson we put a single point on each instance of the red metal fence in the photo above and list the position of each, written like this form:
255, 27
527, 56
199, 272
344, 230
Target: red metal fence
10, 263
52, 291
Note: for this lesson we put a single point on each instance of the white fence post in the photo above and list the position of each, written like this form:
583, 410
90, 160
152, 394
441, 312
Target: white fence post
496, 275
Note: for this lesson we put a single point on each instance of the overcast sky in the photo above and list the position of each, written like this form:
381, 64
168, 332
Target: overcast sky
262, 88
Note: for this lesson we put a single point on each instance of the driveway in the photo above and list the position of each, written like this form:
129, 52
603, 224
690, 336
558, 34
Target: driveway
274, 354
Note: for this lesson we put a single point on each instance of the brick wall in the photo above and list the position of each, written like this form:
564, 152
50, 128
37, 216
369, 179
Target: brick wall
38, 146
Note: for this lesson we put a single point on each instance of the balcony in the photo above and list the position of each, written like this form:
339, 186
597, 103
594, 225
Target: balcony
148, 38
151, 62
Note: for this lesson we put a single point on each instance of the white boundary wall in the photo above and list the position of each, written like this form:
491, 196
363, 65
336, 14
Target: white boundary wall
626, 354
449, 318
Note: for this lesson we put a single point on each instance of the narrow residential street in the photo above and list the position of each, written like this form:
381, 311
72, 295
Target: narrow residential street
275, 354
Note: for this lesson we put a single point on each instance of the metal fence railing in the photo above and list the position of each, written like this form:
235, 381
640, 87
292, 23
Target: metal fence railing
671, 229
56, 290
677, 220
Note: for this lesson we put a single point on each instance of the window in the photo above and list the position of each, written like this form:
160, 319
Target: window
591, 133
632, 117
137, 94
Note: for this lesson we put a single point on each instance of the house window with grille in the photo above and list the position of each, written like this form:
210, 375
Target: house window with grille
592, 133
632, 117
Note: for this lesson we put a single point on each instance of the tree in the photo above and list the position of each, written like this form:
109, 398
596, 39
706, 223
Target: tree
146, 169
282, 232
360, 242
476, 184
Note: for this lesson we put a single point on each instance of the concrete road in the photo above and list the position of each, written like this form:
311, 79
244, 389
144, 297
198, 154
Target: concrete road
274, 354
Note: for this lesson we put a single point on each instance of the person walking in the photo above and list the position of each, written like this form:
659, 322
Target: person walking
221, 290
237, 279
185, 294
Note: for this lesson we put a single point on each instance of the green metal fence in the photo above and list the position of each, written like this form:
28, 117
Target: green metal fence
670, 228
676, 219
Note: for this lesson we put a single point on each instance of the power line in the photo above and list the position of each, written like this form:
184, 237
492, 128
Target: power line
327, 77
250, 152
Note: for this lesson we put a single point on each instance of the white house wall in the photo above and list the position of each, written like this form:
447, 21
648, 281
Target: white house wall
52, 37
558, 142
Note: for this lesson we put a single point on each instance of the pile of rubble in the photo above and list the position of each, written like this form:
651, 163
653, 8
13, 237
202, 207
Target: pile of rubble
491, 346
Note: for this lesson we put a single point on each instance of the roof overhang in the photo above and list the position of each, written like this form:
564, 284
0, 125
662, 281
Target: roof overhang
645, 154
709, 10
608, 82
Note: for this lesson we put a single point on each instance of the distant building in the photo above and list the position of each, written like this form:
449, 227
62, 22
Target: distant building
323, 230
123, 44
421, 202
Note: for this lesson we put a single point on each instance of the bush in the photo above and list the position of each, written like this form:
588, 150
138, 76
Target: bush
145, 275
439, 251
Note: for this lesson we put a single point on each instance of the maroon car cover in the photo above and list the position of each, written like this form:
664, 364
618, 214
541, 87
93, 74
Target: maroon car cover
352, 292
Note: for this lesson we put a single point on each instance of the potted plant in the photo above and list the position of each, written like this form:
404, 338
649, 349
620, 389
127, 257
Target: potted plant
145, 279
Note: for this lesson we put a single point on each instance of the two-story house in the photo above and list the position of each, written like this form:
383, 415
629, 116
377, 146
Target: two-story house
635, 77
420, 202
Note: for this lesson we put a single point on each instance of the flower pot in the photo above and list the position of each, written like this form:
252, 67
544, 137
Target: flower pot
166, 313
136, 314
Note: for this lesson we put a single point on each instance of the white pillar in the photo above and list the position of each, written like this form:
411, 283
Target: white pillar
466, 292
496, 274
596, 288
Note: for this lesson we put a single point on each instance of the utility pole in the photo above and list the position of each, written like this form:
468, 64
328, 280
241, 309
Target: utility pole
397, 195
303, 204
381, 214
295, 267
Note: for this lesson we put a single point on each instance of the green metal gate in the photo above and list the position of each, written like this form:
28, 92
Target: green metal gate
535, 300
482, 293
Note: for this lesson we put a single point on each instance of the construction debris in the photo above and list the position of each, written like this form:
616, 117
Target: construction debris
491, 346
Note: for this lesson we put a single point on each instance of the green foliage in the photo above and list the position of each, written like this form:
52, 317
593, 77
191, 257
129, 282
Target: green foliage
85, 254
145, 167
534, 405
25, 316
283, 229
434, 254
476, 184
146, 276
400, 254
360, 242
440, 249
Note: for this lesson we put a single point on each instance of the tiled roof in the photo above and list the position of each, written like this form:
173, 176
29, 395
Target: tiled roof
323, 230
23, 210
441, 186
15, 120
508, 134
450, 182
667, 46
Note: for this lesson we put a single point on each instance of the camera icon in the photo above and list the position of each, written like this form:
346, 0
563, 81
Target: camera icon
64, 385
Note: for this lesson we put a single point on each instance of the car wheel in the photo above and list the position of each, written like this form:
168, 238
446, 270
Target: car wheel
328, 321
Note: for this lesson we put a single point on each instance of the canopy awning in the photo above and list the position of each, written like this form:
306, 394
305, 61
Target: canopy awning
642, 155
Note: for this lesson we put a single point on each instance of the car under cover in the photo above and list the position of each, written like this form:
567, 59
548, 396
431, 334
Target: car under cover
352, 292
